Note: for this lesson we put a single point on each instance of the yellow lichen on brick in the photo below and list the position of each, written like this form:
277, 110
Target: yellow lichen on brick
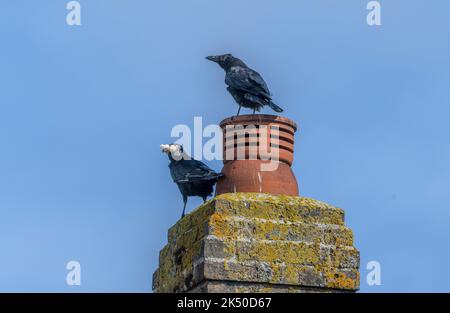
341, 281
252, 237
287, 252
221, 227
286, 208
191, 220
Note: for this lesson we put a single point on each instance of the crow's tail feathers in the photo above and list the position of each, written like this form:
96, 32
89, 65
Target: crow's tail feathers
274, 107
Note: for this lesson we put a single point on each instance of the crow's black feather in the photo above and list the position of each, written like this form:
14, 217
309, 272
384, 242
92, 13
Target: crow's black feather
193, 178
246, 85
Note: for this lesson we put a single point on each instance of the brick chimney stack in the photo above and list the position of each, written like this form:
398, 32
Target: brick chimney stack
257, 234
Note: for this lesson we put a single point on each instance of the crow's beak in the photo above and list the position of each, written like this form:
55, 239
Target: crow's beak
212, 58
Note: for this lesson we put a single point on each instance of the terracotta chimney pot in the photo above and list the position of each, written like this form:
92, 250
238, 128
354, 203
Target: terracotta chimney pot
250, 143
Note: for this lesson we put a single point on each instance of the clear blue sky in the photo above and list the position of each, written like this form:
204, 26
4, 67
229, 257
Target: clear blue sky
84, 109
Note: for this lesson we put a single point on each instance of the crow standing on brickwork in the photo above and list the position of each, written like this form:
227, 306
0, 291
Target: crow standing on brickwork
245, 85
193, 177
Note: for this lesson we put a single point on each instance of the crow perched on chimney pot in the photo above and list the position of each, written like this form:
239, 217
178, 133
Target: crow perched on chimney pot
193, 177
246, 86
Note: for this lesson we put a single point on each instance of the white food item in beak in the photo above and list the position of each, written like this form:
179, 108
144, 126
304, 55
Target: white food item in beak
165, 148
174, 149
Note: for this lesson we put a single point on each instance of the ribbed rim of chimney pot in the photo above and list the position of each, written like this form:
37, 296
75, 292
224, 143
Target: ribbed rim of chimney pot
287, 129
260, 118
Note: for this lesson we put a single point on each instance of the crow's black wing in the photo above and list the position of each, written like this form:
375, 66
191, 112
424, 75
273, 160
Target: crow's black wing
248, 80
190, 171
257, 79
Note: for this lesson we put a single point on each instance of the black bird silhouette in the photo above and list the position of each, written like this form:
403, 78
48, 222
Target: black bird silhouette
193, 177
246, 86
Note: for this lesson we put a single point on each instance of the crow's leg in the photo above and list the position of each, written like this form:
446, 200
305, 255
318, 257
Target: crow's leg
239, 110
254, 110
184, 207
204, 199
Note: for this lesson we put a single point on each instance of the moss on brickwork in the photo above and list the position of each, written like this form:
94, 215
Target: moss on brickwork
283, 274
260, 238
233, 227
285, 208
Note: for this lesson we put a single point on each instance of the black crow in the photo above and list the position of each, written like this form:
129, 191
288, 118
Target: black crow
193, 177
246, 86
